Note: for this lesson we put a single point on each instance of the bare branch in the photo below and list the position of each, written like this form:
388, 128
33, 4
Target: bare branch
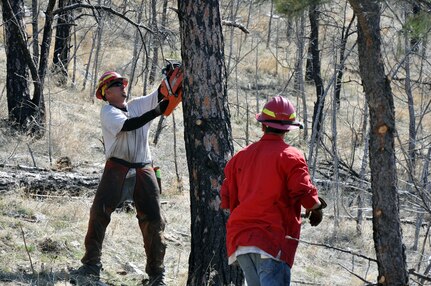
98, 8
236, 25
423, 277
356, 275
332, 247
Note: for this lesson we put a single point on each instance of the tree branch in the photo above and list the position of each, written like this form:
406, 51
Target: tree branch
101, 7
236, 25
412, 272
332, 247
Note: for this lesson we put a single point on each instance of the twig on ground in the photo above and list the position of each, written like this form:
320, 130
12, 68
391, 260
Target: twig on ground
332, 247
356, 275
26, 249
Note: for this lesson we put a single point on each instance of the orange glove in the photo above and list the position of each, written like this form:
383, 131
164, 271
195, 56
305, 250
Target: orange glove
171, 86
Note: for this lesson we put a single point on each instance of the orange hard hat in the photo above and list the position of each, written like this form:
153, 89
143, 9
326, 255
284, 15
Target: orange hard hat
279, 113
104, 81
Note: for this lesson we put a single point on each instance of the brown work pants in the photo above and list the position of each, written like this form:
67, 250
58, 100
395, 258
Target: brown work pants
147, 203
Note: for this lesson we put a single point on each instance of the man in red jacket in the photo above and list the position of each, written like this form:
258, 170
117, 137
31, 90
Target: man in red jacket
265, 186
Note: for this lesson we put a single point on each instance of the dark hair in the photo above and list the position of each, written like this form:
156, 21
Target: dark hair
269, 129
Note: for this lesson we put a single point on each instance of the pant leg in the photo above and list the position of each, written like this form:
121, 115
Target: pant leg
249, 266
274, 273
151, 221
108, 196
260, 271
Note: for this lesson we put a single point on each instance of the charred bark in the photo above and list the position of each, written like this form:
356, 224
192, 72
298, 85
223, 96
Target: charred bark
62, 44
208, 140
390, 251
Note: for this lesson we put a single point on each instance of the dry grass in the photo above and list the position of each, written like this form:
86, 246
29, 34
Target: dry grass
50, 232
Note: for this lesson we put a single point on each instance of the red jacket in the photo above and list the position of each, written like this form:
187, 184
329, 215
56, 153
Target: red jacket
265, 186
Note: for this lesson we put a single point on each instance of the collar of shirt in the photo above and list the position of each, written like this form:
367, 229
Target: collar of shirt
272, 137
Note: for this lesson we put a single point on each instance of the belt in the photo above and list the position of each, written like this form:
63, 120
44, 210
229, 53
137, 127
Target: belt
128, 164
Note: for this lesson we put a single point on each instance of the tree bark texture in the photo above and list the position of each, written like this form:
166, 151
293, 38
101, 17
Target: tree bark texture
28, 112
18, 94
208, 139
387, 235
62, 41
314, 15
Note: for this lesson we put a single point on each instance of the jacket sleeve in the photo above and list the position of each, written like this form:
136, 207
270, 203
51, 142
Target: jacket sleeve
229, 191
224, 193
299, 182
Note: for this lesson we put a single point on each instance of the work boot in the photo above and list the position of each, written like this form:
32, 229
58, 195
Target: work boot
86, 275
155, 280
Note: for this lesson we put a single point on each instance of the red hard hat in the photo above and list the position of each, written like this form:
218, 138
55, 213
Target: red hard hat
279, 113
104, 81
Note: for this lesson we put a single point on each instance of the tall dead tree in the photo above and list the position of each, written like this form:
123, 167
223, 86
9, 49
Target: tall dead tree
19, 102
208, 139
61, 56
314, 15
28, 113
387, 235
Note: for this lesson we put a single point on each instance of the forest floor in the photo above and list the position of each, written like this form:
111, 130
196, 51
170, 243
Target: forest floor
41, 239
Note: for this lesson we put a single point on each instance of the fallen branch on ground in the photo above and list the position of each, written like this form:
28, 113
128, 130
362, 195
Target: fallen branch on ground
333, 247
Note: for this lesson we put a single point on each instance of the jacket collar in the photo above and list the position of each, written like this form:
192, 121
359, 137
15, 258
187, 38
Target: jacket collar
272, 137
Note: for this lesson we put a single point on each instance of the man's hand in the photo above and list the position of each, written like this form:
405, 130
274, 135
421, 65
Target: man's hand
315, 216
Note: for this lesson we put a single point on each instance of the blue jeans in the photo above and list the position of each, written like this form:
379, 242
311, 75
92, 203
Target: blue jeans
264, 271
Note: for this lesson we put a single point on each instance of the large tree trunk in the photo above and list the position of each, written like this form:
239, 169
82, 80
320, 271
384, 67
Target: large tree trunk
386, 222
208, 139
18, 94
28, 113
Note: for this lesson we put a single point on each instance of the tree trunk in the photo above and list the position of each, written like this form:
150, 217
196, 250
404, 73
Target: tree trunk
62, 43
315, 67
137, 47
344, 36
387, 236
268, 36
97, 59
27, 113
424, 187
335, 158
411, 158
299, 72
364, 162
18, 94
35, 27
156, 42
208, 140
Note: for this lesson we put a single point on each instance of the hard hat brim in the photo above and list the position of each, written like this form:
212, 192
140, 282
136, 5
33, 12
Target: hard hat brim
287, 127
99, 89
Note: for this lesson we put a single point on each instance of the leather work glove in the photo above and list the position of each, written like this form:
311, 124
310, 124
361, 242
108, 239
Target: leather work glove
315, 216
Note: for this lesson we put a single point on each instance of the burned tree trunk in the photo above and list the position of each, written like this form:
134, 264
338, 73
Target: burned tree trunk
20, 106
27, 113
62, 42
208, 140
387, 235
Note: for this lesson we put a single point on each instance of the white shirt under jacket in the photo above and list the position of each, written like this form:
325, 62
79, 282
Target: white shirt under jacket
131, 146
